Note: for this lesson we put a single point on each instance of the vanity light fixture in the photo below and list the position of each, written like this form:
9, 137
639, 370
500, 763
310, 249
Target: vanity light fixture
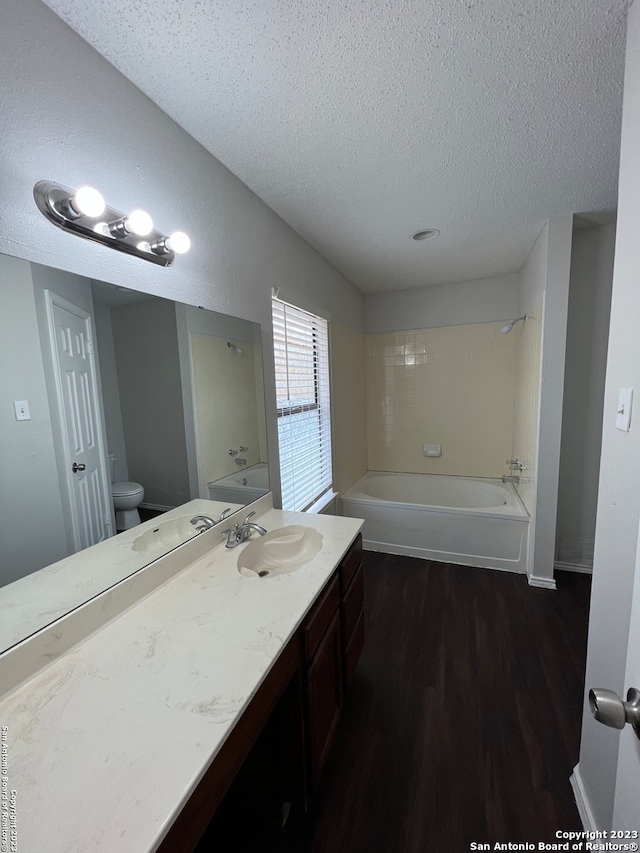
137, 222
84, 212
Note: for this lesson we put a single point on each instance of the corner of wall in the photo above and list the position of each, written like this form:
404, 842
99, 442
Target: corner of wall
348, 404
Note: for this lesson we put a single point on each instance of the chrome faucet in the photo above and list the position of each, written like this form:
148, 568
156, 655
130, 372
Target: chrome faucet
202, 522
240, 461
510, 479
239, 533
516, 465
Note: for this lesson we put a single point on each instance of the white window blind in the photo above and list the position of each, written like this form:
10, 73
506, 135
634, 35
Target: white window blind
301, 351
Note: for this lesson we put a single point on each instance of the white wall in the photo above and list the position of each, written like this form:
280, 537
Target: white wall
70, 116
529, 357
544, 296
544, 299
584, 377
619, 487
478, 301
554, 333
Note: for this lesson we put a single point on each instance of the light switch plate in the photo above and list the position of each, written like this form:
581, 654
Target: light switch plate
21, 408
623, 416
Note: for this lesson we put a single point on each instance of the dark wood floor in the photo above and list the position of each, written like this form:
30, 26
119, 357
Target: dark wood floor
147, 514
462, 723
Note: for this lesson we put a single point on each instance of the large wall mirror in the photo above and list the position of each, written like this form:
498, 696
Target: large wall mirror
179, 409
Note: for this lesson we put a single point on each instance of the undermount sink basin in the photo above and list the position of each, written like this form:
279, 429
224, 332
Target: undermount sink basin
280, 551
165, 536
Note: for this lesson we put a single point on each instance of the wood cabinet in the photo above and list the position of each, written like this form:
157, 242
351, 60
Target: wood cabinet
351, 573
323, 677
333, 640
281, 742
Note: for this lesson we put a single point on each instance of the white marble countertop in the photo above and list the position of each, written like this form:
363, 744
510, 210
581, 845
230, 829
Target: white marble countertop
37, 599
105, 745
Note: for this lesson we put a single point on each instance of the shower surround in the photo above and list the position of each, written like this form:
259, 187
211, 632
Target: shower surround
451, 385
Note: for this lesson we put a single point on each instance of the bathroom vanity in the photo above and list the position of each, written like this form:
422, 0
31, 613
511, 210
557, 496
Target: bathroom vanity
129, 739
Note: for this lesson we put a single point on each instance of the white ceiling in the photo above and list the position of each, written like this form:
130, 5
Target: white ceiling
361, 122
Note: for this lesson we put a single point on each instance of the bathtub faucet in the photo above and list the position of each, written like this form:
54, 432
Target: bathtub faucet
510, 479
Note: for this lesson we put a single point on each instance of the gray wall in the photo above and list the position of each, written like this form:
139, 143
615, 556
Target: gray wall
146, 347
479, 301
584, 376
73, 118
110, 391
619, 487
554, 327
29, 487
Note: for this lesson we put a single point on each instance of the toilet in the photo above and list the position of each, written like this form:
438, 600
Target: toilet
126, 499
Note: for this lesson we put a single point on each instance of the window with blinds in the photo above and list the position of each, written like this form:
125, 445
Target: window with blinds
301, 351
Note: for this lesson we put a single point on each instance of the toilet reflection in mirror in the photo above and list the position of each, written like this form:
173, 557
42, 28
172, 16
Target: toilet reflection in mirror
127, 497
171, 400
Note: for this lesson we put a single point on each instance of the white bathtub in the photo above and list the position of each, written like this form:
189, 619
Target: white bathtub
471, 521
242, 487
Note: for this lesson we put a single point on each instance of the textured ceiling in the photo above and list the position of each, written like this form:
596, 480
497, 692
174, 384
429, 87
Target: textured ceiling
361, 122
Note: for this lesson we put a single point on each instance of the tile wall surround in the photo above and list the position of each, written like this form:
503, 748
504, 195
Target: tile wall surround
228, 403
451, 385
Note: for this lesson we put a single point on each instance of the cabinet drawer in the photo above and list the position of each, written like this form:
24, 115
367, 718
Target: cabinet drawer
352, 604
318, 622
350, 563
354, 650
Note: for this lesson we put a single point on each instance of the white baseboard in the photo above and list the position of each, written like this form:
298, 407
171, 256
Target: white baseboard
582, 801
544, 583
573, 567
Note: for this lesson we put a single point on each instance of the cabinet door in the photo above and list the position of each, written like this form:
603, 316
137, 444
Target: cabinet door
351, 609
350, 564
352, 606
324, 694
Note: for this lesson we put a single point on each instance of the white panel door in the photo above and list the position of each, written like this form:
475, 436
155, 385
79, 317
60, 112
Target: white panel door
83, 445
626, 808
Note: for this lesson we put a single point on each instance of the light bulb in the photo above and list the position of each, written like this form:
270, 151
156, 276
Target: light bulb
88, 201
139, 222
178, 242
